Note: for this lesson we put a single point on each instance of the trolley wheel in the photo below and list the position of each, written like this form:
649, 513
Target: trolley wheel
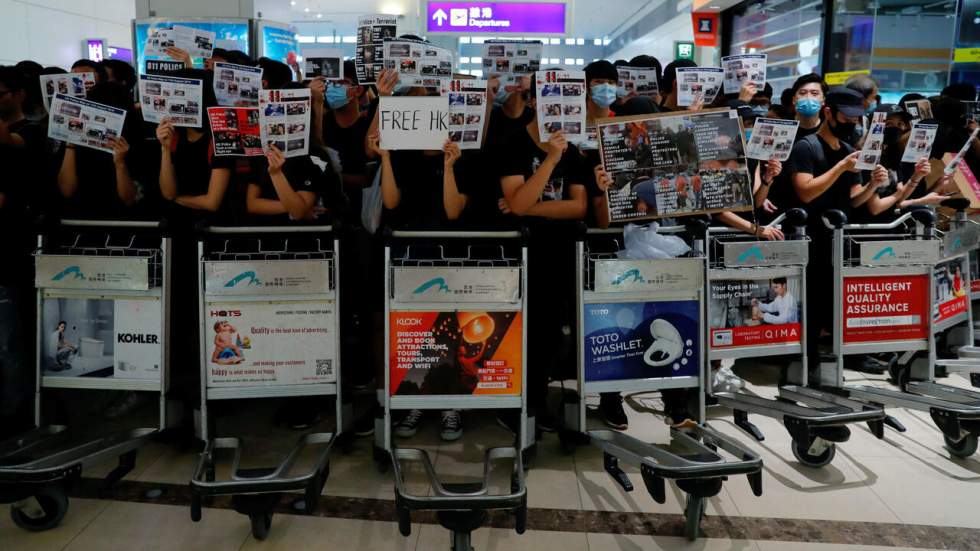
404, 520
520, 518
195, 507
802, 454
896, 374
693, 513
54, 504
209, 473
382, 459
966, 447
261, 522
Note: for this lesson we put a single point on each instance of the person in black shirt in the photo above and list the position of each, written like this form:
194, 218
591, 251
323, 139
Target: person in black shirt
345, 127
284, 190
668, 91
511, 111
470, 192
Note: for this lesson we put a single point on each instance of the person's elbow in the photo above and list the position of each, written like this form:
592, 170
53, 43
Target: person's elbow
453, 212
580, 208
251, 205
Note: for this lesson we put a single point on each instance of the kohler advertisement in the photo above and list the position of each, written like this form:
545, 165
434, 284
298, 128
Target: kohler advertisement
85, 337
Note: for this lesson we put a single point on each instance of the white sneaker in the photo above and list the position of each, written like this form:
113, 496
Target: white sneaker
452, 425
407, 427
720, 383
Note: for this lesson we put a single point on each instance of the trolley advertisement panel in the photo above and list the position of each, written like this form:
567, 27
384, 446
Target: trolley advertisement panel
950, 291
754, 311
886, 308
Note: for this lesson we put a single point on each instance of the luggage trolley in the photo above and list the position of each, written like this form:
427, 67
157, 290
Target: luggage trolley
741, 270
640, 329
102, 308
280, 285
885, 300
456, 306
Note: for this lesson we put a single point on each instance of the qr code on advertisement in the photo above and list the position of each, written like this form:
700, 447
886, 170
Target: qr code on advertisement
324, 368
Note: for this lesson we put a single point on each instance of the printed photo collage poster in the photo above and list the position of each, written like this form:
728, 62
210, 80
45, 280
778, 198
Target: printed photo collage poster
669, 165
323, 62
235, 131
418, 63
237, 85
284, 119
741, 68
85, 123
177, 98
195, 42
698, 82
919, 109
772, 139
958, 158
467, 111
561, 104
75, 85
372, 30
871, 152
638, 81
511, 59
920, 142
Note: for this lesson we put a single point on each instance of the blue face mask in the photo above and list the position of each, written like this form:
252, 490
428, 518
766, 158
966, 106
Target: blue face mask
337, 96
502, 96
748, 134
807, 107
603, 95
760, 110
620, 92
871, 107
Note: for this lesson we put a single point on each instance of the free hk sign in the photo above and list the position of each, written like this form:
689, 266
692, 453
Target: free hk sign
497, 18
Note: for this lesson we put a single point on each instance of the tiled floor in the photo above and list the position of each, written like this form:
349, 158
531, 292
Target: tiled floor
904, 490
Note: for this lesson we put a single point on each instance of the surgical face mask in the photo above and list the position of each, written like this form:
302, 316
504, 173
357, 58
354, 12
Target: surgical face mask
502, 96
337, 96
760, 110
603, 95
842, 130
620, 92
807, 107
871, 107
748, 134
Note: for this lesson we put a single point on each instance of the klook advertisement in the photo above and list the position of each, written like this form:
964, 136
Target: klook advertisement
755, 312
948, 289
641, 340
885, 308
455, 353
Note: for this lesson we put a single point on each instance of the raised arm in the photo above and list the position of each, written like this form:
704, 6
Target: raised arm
809, 187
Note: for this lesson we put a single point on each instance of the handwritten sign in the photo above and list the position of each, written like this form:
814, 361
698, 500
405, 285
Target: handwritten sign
413, 122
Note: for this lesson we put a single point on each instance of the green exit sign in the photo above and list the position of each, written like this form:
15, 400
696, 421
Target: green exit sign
684, 50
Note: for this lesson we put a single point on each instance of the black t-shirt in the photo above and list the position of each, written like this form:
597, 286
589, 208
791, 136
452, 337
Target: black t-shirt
419, 178
812, 155
96, 196
26, 184
500, 127
193, 162
349, 142
301, 173
478, 182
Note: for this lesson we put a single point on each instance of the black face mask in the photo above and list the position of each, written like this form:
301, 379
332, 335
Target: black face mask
892, 135
842, 130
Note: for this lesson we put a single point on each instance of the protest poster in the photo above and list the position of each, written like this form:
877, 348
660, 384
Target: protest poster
886, 308
755, 312
949, 289
270, 343
455, 353
772, 139
642, 340
958, 158
638, 81
284, 121
163, 66
323, 62
512, 60
919, 109
413, 122
372, 30
698, 83
177, 98
561, 104
75, 85
467, 111
920, 142
972, 110
417, 62
674, 164
871, 151
196, 42
741, 68
235, 131
237, 85
82, 122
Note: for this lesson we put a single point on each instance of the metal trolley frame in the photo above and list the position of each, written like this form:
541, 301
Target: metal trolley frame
441, 271
86, 260
274, 265
691, 458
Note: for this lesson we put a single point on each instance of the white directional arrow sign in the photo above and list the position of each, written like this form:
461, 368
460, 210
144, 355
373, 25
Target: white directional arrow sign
440, 17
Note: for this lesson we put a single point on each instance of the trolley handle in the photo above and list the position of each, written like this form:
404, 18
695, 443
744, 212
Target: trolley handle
794, 218
402, 234
225, 230
79, 223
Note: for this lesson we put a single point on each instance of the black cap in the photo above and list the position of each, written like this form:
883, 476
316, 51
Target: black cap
847, 101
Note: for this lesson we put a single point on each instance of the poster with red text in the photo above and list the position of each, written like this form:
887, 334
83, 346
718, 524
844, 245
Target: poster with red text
455, 353
886, 308
235, 131
949, 295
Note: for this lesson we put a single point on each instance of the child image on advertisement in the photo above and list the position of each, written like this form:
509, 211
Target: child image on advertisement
227, 345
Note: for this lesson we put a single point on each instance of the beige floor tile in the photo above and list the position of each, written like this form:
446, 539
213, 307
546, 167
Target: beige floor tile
810, 546
939, 492
292, 532
619, 542
433, 537
80, 514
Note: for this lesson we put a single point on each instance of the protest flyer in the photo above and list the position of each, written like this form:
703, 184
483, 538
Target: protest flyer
284, 120
372, 30
972, 110
772, 139
163, 66
871, 152
698, 82
235, 131
323, 62
674, 164
950, 289
418, 63
955, 162
741, 68
638, 81
919, 109
511, 59
467, 111
561, 104
177, 98
755, 312
920, 142
82, 122
237, 85
75, 85
195, 42
455, 353
886, 308
413, 122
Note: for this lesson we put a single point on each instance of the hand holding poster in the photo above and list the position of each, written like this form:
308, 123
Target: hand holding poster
467, 111
237, 85
741, 68
955, 162
407, 122
638, 81
871, 152
235, 131
674, 164
323, 62
284, 120
772, 139
369, 53
417, 62
177, 98
561, 104
920, 142
195, 42
698, 83
86, 123
75, 85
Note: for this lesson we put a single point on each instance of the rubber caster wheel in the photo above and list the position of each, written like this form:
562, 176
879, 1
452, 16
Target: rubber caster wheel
693, 513
899, 375
520, 519
802, 454
966, 447
381, 466
404, 521
261, 522
54, 504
